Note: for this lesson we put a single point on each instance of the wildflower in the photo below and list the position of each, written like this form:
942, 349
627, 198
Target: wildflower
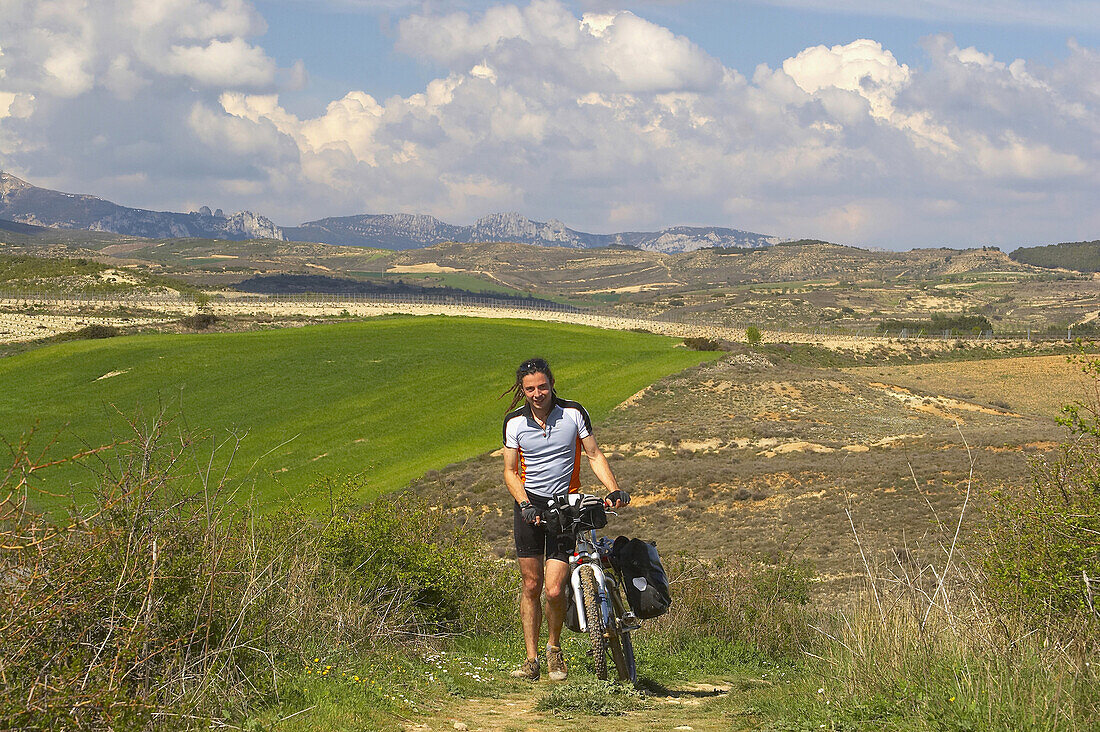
355, 677
821, 690
316, 660
951, 699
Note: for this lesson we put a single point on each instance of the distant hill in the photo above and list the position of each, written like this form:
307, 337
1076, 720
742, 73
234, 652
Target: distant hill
386, 231
542, 269
24, 203
1082, 256
414, 231
28, 204
15, 227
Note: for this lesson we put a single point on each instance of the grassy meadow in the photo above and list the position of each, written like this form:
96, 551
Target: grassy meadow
383, 400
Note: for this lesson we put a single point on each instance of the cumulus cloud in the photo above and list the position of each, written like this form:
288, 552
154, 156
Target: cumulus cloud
619, 52
862, 66
69, 47
101, 92
604, 120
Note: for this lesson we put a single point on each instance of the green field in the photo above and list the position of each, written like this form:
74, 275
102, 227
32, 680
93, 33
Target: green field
460, 281
387, 399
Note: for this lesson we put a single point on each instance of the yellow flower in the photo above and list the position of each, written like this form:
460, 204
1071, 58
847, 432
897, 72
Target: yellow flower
951, 699
316, 660
355, 677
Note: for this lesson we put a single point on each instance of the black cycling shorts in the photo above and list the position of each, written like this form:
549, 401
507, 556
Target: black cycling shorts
535, 541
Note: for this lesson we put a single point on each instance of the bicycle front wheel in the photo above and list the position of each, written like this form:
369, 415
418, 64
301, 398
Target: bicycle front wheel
594, 618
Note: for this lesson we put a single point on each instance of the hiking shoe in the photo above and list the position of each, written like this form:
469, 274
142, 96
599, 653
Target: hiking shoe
555, 660
529, 670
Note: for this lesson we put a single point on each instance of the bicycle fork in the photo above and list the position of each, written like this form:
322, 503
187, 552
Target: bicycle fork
601, 595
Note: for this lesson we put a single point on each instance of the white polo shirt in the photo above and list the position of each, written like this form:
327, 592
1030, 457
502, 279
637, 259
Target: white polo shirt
549, 459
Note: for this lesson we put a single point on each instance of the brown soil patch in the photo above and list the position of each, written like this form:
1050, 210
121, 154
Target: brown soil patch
427, 268
633, 399
682, 707
939, 406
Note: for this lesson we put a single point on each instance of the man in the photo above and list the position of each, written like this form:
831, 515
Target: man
543, 441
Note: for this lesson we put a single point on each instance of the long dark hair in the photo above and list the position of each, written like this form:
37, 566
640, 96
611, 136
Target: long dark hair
528, 367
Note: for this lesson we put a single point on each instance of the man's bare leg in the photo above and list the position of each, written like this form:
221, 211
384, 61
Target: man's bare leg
556, 573
530, 605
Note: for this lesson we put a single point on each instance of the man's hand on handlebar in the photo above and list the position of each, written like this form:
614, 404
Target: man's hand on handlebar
529, 513
616, 499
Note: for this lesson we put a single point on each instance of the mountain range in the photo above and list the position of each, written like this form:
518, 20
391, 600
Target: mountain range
25, 203
413, 231
28, 204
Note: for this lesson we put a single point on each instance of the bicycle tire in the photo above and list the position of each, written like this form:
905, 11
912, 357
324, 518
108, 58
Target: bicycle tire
620, 644
594, 618
628, 658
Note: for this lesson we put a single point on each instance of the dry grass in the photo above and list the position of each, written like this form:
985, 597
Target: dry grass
734, 455
1033, 385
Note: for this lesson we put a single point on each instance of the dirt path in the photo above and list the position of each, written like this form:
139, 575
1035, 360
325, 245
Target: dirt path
697, 706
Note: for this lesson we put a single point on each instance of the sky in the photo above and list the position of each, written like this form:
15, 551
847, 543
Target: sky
875, 123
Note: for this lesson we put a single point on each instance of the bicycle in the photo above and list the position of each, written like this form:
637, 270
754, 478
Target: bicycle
596, 595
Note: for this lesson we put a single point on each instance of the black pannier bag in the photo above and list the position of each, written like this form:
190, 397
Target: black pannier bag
644, 578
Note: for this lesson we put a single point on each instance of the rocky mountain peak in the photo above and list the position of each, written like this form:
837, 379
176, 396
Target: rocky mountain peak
9, 182
249, 225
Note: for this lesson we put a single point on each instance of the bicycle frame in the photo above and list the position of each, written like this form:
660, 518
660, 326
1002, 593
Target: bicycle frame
612, 620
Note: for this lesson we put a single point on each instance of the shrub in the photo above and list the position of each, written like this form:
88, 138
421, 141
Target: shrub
199, 321
761, 607
703, 344
753, 335
390, 548
1042, 558
166, 599
97, 331
1044, 542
